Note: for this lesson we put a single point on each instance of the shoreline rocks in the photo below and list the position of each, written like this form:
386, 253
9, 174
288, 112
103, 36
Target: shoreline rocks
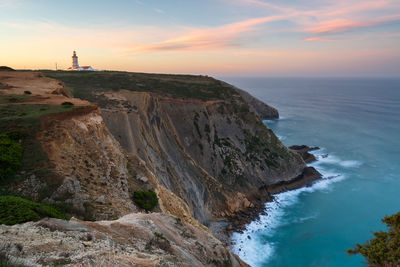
237, 222
303, 151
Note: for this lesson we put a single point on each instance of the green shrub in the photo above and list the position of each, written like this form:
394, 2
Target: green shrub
384, 249
14, 210
10, 157
67, 103
145, 199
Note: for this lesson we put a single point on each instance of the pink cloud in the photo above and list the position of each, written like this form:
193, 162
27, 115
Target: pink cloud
336, 17
228, 35
318, 38
336, 26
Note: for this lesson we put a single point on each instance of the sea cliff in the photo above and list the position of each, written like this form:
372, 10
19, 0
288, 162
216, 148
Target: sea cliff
199, 143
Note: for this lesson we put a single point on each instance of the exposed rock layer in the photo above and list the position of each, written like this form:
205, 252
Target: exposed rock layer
134, 240
206, 152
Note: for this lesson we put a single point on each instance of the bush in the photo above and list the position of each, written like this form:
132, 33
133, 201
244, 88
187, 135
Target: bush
10, 157
27, 92
383, 250
14, 210
67, 103
145, 199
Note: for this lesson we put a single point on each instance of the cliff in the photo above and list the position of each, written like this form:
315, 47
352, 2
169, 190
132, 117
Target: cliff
199, 143
264, 111
202, 138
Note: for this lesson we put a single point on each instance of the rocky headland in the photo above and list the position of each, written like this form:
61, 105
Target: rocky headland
92, 139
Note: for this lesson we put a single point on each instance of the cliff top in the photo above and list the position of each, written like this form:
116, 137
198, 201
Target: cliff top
200, 87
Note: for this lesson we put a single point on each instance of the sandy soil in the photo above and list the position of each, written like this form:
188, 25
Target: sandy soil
44, 90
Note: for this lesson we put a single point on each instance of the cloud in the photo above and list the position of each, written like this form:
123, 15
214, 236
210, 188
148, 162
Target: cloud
9, 3
336, 26
333, 17
159, 11
319, 39
229, 35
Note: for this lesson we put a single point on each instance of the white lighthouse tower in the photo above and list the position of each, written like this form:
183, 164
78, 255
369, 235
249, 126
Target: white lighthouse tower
75, 64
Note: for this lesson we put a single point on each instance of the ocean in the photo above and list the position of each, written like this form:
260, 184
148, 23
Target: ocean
356, 123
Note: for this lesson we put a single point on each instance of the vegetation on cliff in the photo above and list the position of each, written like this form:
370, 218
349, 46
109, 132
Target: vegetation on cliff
20, 150
145, 199
384, 248
10, 157
14, 210
82, 84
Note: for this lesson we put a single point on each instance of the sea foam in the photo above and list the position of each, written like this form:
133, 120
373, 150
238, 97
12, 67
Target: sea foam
251, 245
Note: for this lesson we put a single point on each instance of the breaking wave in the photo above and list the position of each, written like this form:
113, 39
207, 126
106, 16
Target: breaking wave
251, 245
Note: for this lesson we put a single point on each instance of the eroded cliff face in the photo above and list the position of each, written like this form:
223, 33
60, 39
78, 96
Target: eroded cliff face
71, 158
216, 155
97, 176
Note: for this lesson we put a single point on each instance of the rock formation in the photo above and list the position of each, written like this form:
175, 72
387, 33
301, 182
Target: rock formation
137, 239
199, 143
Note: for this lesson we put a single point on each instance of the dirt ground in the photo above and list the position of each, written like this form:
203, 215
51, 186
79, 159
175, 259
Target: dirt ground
44, 90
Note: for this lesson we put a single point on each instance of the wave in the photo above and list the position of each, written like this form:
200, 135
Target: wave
251, 245
281, 137
324, 158
281, 118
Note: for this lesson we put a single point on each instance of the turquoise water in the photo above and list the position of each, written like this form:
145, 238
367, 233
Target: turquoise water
356, 122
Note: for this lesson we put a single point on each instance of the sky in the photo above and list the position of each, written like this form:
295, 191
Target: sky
214, 37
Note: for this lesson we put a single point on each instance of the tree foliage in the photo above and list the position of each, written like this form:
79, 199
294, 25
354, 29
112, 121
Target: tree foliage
384, 248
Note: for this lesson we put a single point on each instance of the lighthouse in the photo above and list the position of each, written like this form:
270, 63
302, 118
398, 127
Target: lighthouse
75, 64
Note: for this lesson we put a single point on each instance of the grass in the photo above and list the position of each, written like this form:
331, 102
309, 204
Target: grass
14, 210
83, 84
4, 99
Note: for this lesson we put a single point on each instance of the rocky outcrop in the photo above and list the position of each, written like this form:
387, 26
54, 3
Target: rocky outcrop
306, 178
134, 240
265, 111
303, 151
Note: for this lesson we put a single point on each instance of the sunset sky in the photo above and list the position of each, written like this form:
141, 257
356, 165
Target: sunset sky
215, 37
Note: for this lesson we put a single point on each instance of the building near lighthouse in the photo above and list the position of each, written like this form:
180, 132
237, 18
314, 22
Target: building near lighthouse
75, 64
